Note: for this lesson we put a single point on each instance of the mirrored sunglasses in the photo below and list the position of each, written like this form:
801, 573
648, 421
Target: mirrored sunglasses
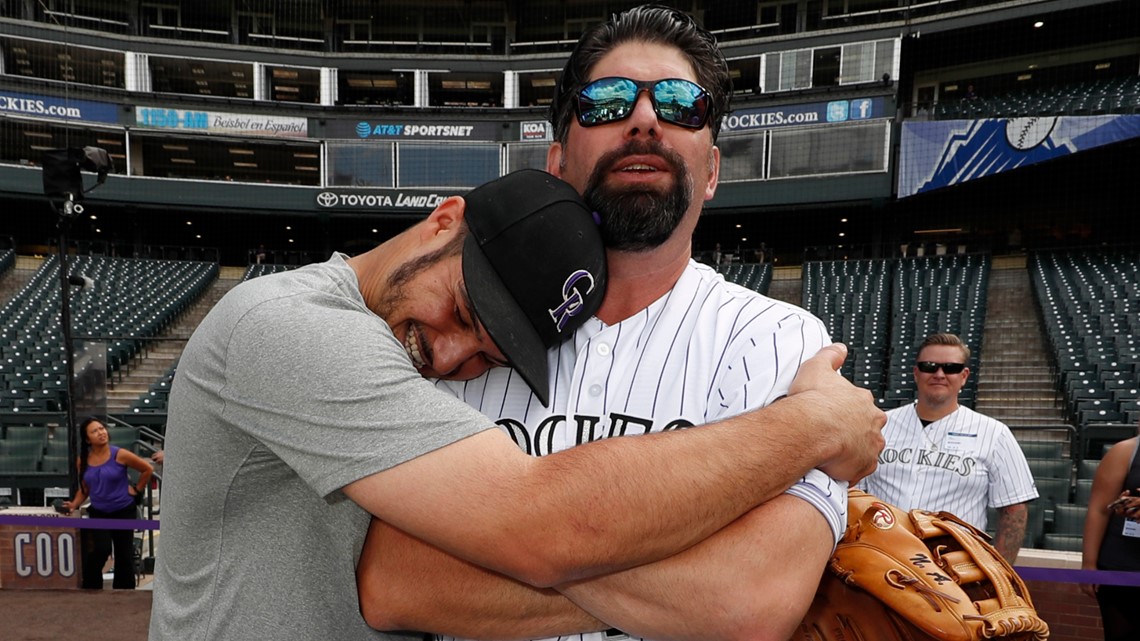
929, 367
681, 102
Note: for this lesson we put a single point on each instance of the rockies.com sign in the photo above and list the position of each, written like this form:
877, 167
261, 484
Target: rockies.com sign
393, 200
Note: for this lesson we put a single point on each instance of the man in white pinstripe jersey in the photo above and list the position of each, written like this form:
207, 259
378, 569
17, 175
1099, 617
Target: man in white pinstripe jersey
942, 456
673, 346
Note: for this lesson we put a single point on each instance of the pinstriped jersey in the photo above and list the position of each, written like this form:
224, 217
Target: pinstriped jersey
704, 351
962, 463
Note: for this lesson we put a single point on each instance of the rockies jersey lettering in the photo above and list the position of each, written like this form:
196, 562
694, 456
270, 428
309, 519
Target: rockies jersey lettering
961, 463
540, 442
952, 462
704, 351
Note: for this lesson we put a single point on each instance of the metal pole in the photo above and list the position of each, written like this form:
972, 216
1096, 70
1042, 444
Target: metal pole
70, 209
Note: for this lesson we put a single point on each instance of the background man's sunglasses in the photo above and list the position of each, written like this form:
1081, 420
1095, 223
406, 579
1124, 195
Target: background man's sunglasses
680, 102
929, 367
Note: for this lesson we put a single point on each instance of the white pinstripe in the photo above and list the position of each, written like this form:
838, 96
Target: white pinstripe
961, 463
706, 350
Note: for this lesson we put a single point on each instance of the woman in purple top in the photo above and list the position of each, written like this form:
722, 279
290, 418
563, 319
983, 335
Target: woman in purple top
103, 478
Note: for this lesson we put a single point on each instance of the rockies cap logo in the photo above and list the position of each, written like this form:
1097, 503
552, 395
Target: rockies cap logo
572, 298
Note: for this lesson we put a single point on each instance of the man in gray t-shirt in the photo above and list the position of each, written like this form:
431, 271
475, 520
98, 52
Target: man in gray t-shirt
300, 408
298, 384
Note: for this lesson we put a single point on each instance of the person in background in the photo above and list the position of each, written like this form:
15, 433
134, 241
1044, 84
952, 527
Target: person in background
104, 478
942, 456
1112, 538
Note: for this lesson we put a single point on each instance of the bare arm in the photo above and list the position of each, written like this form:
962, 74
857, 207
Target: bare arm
137, 463
406, 583
740, 585
711, 591
565, 509
1106, 487
1011, 530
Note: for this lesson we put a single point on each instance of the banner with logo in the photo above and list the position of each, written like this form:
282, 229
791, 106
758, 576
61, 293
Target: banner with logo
215, 122
385, 199
941, 153
806, 114
51, 107
536, 130
404, 130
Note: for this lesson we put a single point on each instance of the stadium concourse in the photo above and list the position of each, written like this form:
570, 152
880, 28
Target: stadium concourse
56, 615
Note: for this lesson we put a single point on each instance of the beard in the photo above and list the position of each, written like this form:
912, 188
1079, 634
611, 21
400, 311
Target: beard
638, 218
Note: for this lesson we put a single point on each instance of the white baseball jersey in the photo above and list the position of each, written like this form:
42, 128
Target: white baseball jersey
962, 463
704, 351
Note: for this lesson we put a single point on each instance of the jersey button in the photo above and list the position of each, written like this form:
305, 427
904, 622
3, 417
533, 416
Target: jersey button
603, 349
595, 390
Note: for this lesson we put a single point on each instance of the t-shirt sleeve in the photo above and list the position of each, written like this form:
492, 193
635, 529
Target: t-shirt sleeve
325, 386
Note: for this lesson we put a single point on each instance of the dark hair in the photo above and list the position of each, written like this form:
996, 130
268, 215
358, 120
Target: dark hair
85, 447
945, 338
647, 23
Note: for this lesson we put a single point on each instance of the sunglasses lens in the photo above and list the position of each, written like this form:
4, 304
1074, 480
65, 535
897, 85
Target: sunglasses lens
929, 367
606, 100
678, 101
681, 102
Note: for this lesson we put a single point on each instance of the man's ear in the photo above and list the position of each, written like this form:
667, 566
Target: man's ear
445, 218
554, 159
714, 172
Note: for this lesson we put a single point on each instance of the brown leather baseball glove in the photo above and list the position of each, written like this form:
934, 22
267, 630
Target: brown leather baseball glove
917, 576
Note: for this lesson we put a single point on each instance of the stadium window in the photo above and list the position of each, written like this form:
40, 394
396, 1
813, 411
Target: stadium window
360, 164
163, 15
742, 157
826, 65
294, 84
465, 89
526, 155
449, 165
745, 74
201, 77
536, 89
376, 88
69, 63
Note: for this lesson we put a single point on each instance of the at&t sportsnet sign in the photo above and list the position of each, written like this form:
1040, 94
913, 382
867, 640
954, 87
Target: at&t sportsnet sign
397, 130
383, 200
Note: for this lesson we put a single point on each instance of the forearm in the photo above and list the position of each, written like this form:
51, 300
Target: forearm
1095, 523
567, 516
1011, 530
144, 480
406, 584
574, 524
713, 591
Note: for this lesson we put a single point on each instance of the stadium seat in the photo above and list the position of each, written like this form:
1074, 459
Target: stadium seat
1050, 468
1042, 449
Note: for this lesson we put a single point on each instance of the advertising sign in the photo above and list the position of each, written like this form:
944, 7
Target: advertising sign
215, 122
51, 107
806, 114
941, 153
404, 130
373, 200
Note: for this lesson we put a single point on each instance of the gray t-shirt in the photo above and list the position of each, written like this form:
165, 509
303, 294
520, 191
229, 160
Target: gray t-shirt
290, 389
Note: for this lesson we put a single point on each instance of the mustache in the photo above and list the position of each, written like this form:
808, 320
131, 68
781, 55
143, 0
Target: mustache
609, 160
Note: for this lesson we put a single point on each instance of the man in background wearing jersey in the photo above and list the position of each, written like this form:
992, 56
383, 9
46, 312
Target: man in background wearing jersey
673, 346
942, 456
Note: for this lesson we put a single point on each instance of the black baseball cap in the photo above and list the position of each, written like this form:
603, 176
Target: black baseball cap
534, 266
